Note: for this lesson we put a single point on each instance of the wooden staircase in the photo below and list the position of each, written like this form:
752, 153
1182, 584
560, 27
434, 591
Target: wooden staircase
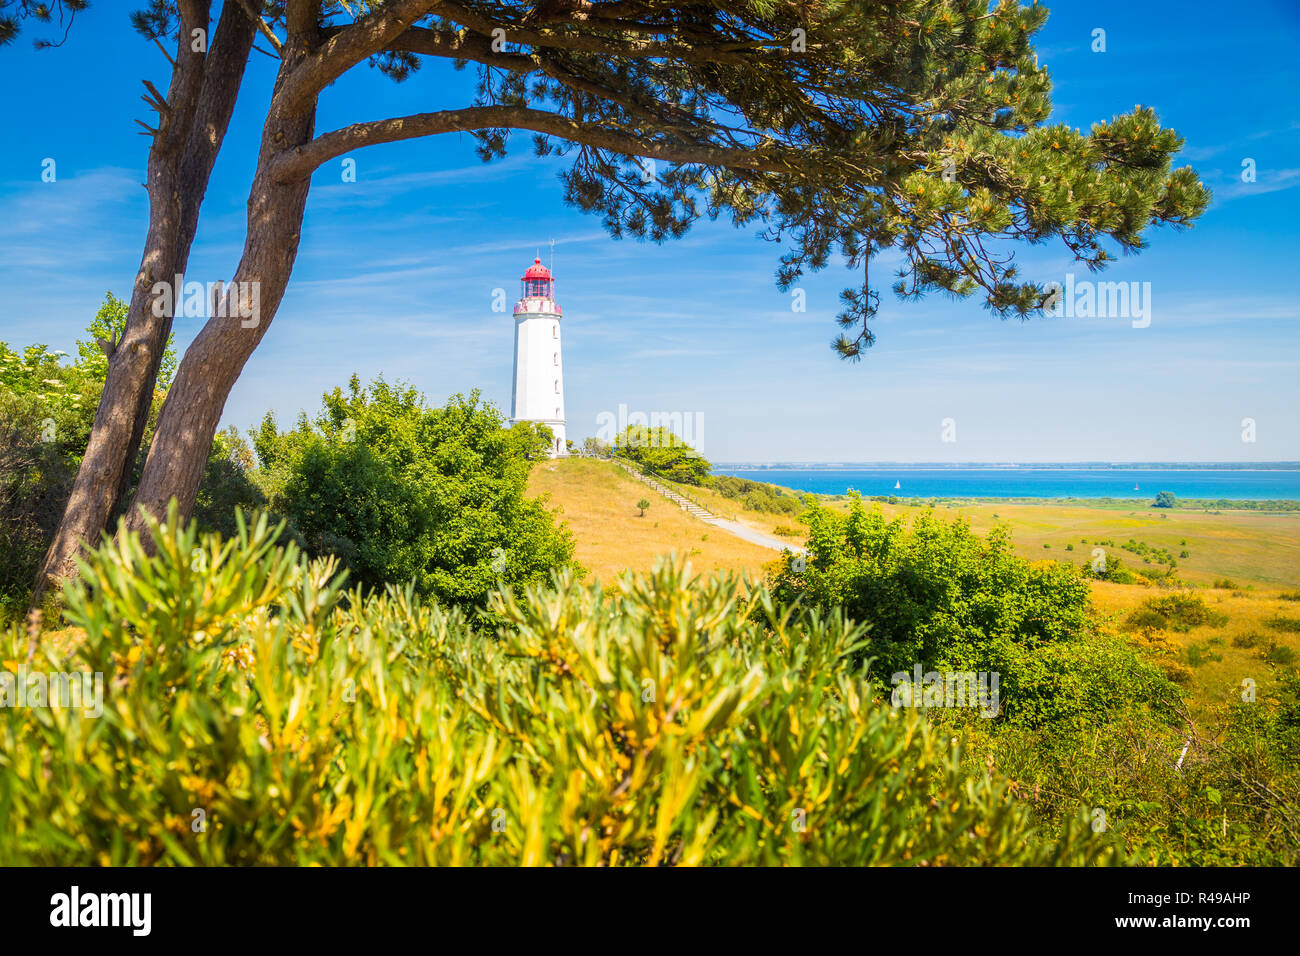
686, 504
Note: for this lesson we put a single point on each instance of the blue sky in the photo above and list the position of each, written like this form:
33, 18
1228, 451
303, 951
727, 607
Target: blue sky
396, 271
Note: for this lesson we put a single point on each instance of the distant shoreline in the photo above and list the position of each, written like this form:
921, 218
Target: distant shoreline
1010, 466
1271, 506
1206, 489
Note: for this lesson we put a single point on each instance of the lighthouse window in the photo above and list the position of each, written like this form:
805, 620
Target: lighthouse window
555, 331
557, 386
539, 288
557, 358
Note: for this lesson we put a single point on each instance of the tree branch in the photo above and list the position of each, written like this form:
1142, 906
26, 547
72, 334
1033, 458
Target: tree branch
348, 47
297, 163
607, 46
461, 45
263, 27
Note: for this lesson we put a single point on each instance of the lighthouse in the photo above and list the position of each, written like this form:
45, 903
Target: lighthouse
538, 394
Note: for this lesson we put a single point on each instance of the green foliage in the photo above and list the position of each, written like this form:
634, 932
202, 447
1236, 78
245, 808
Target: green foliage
643, 504
665, 722
401, 491
1280, 655
660, 452
1222, 792
1149, 553
1165, 499
596, 448
935, 593
47, 407
757, 495
1111, 569
36, 478
230, 484
1198, 654
1177, 612
1083, 682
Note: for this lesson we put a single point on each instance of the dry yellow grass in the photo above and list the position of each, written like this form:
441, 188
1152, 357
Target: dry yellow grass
1219, 657
598, 500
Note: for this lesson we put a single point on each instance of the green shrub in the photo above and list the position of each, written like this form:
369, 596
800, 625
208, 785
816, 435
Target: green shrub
1281, 622
1279, 654
1111, 569
47, 407
757, 495
662, 453
933, 593
1170, 798
1083, 682
1177, 612
400, 491
660, 722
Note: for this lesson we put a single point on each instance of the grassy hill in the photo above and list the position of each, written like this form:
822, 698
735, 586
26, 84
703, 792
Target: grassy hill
598, 500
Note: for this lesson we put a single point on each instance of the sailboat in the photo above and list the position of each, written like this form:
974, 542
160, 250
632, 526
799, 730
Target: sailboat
897, 485
1136, 488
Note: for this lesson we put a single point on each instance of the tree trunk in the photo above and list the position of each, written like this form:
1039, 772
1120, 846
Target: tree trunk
213, 362
200, 102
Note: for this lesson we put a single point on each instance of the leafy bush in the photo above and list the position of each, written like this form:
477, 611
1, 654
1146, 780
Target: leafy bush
1083, 682
47, 407
660, 723
932, 593
230, 483
1177, 612
662, 453
1279, 654
400, 491
1110, 569
1281, 622
1226, 793
757, 495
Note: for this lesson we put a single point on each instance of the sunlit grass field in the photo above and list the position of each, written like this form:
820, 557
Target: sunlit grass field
598, 500
1258, 554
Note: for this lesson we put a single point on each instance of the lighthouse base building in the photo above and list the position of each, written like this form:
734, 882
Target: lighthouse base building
538, 394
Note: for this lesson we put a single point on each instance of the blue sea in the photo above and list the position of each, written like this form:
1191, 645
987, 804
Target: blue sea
1026, 482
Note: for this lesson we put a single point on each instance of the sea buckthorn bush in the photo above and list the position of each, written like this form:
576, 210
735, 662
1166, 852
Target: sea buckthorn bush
256, 712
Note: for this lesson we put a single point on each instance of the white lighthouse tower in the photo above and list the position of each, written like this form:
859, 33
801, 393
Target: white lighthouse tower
539, 376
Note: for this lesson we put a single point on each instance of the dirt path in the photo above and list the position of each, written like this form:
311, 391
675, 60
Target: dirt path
752, 536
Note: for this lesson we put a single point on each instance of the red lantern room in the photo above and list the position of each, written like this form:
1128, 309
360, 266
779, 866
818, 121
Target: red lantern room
538, 282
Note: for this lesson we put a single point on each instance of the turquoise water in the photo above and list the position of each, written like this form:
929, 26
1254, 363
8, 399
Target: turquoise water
1029, 482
